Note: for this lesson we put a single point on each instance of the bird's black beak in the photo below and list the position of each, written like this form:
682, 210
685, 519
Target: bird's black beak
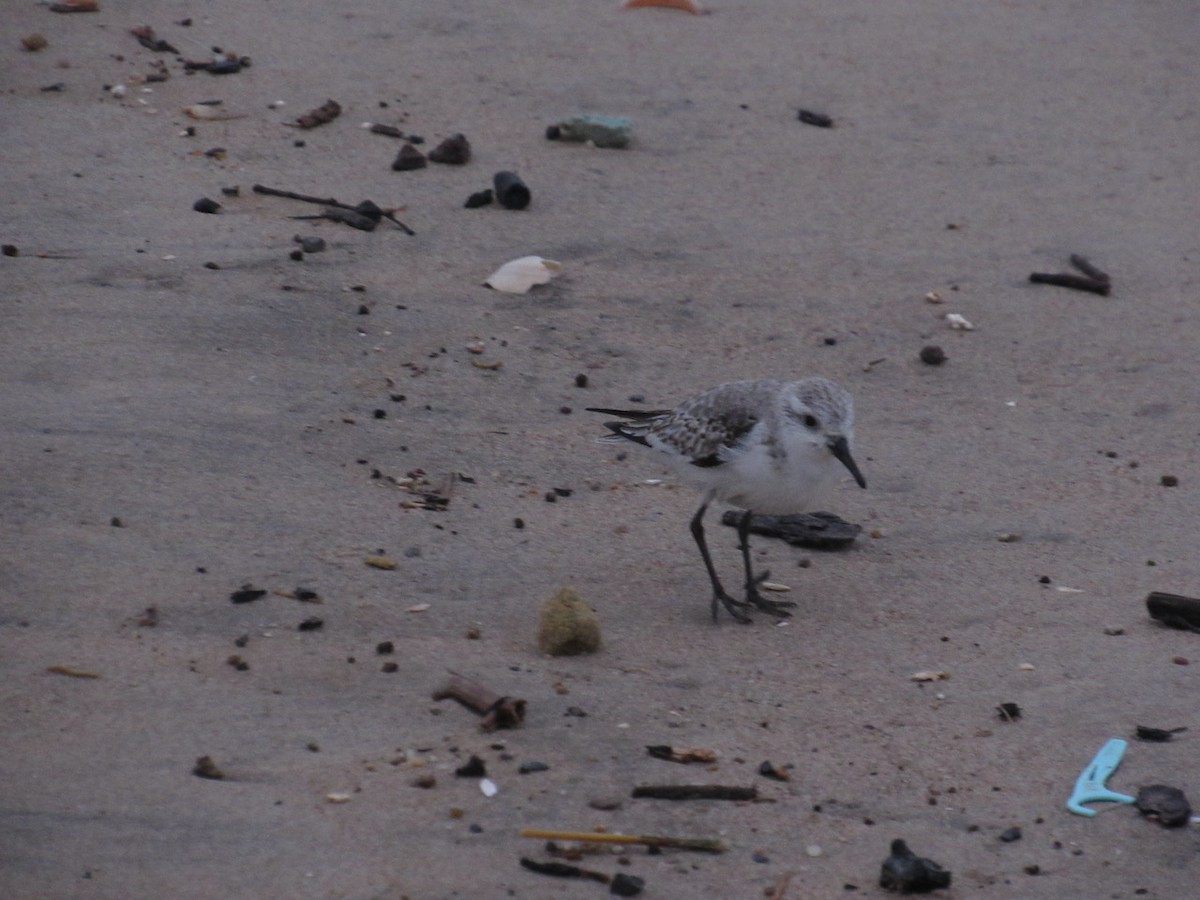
840, 448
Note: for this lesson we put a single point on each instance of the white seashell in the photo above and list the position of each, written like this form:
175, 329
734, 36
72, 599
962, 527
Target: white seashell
208, 113
337, 798
519, 275
488, 787
958, 323
929, 676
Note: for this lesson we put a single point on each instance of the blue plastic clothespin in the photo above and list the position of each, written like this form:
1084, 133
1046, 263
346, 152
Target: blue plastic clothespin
1089, 786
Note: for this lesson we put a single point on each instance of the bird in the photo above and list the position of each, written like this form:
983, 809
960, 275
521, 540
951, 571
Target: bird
767, 446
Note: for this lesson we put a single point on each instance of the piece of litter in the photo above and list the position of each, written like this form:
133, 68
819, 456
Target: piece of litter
1068, 590
517, 276
338, 798
934, 297
1026, 667
420, 607
958, 323
929, 676
488, 787
774, 586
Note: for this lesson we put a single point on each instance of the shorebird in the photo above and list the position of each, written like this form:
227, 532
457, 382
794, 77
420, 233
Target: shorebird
765, 446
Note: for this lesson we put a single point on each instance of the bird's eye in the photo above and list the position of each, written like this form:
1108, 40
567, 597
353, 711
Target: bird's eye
810, 421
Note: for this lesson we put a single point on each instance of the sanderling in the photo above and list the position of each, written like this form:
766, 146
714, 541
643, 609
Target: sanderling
764, 446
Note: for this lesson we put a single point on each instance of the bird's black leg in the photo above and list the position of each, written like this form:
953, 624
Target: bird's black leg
753, 597
719, 594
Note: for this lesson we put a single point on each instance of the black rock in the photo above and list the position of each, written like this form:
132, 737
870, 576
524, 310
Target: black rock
906, 873
1166, 804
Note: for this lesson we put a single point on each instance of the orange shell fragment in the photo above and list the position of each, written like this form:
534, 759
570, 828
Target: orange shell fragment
685, 5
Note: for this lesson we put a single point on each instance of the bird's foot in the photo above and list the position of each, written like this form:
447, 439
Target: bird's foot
732, 606
758, 601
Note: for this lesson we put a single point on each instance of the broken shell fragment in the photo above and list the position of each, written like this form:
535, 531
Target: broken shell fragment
598, 130
958, 323
209, 112
519, 275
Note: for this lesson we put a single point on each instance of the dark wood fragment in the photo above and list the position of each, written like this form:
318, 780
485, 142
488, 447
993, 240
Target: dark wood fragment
1075, 282
695, 792
1084, 265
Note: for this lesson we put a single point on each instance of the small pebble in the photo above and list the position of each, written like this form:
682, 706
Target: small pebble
527, 768
312, 244
206, 205
1009, 835
1169, 481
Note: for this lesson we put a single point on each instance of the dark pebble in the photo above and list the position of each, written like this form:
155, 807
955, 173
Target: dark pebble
532, 766
206, 205
478, 199
1169, 481
312, 244
409, 158
312, 623
296, 255
1008, 712
1166, 804
518, 523
820, 120
626, 885
389, 668
1009, 835
116, 522
581, 380
9, 250
211, 265
453, 151
933, 355
907, 873
383, 648
247, 593
472, 768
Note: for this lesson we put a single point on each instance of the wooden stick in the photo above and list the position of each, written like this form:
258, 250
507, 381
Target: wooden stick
498, 710
695, 792
708, 845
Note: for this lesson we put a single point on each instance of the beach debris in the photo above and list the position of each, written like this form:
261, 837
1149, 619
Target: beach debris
597, 130
1092, 280
148, 39
517, 276
819, 120
510, 190
906, 873
478, 199
1174, 610
35, 42
310, 243
71, 672
206, 205
488, 787
210, 112
817, 531
1090, 785
625, 885
567, 626
364, 216
1008, 835
704, 845
1169, 481
453, 151
1156, 735
499, 711
380, 561
958, 322
562, 870
1166, 805
221, 64
472, 768
237, 663
322, 115
532, 766
409, 158
933, 355
929, 675
684, 5
247, 593
312, 623
694, 792
206, 768
75, 6
1008, 712
338, 797
682, 754
768, 769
